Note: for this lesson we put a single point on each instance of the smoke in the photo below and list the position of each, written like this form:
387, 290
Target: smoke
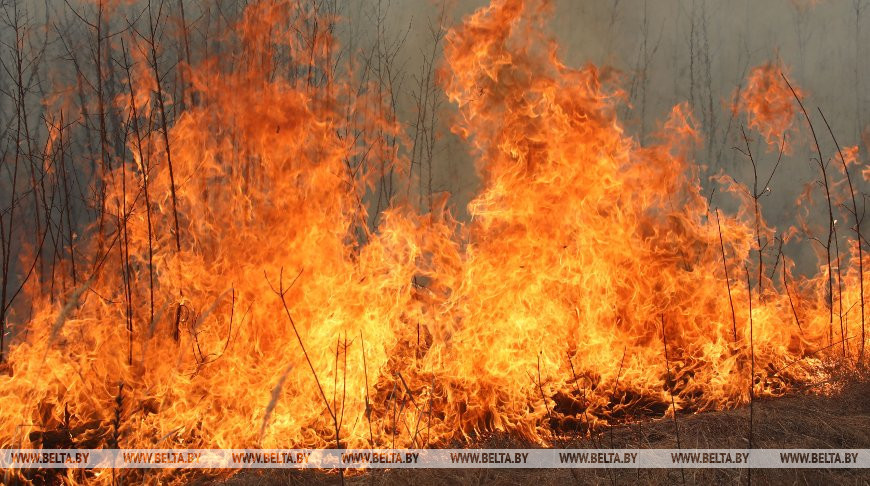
701, 52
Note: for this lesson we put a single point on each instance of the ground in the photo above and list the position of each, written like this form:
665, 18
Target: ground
808, 421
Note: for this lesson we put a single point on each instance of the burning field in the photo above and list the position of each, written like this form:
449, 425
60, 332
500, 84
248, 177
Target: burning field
220, 231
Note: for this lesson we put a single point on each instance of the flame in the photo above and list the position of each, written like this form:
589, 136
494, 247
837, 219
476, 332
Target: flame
593, 282
769, 104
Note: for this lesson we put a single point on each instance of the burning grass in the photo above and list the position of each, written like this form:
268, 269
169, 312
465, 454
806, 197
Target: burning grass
258, 245
797, 421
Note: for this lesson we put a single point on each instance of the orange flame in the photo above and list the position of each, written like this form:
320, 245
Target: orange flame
769, 104
591, 266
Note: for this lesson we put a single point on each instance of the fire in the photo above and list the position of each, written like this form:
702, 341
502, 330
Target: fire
589, 286
769, 104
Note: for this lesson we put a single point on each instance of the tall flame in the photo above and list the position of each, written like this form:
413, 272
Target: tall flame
591, 266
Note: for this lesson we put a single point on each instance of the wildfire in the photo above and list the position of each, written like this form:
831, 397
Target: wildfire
769, 104
590, 284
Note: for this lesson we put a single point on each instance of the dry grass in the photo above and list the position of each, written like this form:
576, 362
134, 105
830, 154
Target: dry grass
798, 421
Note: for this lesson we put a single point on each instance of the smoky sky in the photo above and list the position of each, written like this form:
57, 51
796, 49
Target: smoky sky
665, 51
700, 52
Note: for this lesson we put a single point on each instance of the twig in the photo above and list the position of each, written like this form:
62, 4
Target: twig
134, 118
788, 293
831, 230
671, 387
577, 388
280, 292
613, 394
857, 230
586, 413
727, 279
751, 370
368, 411
152, 41
541, 389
